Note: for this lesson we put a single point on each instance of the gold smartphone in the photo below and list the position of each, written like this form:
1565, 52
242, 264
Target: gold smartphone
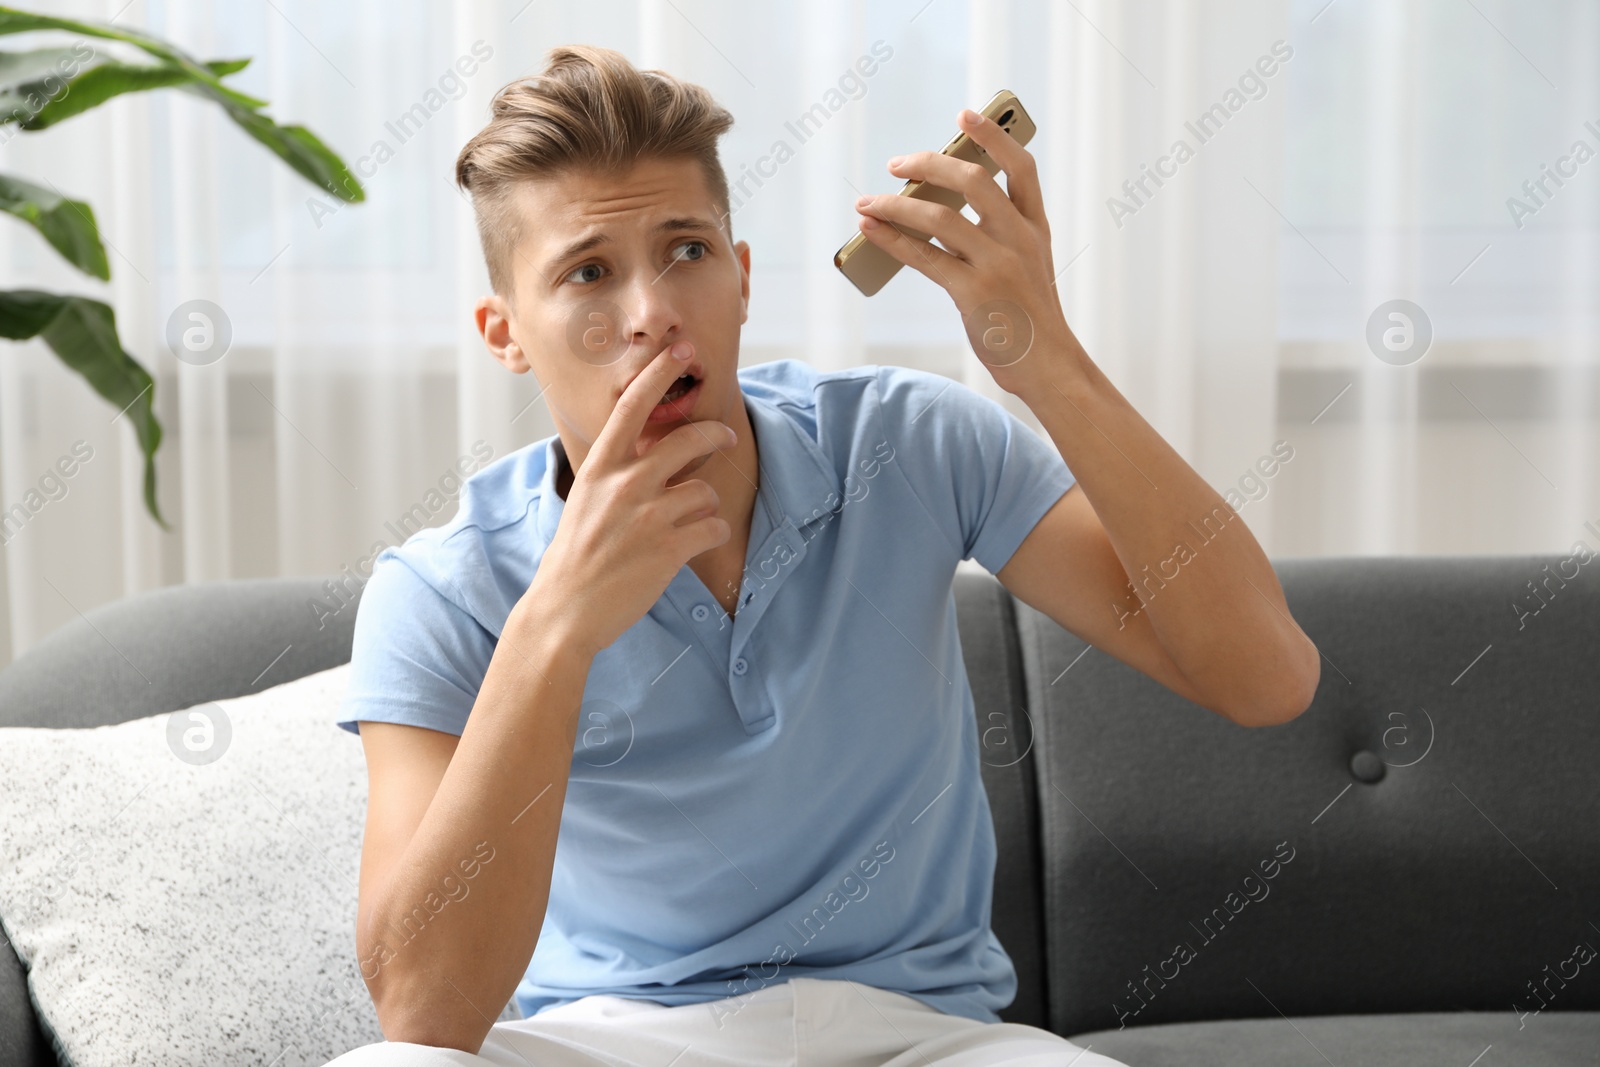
867, 265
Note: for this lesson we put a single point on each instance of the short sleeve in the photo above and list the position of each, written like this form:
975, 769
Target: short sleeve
984, 476
416, 657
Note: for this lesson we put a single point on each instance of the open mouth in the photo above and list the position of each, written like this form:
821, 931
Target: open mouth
678, 401
679, 388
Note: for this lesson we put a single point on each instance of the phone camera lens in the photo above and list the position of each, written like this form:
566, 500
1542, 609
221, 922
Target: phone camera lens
1005, 118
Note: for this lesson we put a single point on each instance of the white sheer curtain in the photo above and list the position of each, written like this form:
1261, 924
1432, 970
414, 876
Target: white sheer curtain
1229, 303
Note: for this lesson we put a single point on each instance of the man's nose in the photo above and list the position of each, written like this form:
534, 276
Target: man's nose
653, 312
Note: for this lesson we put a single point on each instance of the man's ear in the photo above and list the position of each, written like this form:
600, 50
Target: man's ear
742, 251
493, 317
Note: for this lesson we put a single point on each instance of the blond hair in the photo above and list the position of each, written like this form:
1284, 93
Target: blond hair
589, 109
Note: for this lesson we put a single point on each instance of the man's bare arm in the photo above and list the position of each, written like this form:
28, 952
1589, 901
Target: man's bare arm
622, 537
439, 975
1224, 630
1218, 614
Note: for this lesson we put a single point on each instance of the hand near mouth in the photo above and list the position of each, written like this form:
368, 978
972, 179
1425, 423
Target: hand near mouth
624, 531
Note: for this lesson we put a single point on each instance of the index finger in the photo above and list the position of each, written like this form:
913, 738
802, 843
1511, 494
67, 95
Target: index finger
1022, 172
627, 419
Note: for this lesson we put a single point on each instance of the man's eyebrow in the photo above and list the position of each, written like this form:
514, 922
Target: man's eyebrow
583, 244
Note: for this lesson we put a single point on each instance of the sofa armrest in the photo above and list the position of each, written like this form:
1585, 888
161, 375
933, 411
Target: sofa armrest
22, 1041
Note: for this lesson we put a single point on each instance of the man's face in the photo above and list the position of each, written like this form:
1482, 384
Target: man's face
587, 320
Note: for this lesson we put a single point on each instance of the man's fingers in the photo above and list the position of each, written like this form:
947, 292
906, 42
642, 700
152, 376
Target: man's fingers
1020, 166
620, 437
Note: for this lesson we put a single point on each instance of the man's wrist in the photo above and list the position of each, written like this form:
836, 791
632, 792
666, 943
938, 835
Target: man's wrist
1058, 367
548, 633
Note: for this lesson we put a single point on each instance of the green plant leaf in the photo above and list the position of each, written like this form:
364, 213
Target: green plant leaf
295, 145
29, 80
13, 20
83, 333
68, 225
300, 148
108, 79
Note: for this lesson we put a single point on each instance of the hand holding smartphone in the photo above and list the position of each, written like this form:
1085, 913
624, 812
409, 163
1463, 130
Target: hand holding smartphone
869, 267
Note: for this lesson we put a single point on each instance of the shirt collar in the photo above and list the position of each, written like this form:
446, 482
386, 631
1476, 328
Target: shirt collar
797, 480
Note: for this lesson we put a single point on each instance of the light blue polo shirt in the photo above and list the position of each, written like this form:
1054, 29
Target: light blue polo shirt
790, 791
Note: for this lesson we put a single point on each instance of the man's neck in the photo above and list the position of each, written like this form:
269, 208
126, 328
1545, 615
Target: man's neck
736, 476
564, 475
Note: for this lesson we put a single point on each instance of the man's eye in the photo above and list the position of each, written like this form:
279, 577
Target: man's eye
704, 248
695, 244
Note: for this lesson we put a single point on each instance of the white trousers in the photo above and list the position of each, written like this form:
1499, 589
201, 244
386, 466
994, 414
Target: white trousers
800, 1022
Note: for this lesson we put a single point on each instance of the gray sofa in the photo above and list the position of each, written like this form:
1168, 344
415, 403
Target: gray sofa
1396, 877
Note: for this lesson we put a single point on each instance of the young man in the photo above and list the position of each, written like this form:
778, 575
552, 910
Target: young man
709, 636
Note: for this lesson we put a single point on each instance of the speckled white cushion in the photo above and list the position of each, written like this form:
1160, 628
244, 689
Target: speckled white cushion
183, 887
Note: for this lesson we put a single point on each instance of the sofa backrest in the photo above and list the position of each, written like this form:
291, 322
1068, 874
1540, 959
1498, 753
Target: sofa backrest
177, 646
1421, 839
992, 655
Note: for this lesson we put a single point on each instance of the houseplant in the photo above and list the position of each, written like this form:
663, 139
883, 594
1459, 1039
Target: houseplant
41, 87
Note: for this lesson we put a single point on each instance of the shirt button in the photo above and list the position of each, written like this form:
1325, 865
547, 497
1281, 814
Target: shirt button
740, 666
700, 613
